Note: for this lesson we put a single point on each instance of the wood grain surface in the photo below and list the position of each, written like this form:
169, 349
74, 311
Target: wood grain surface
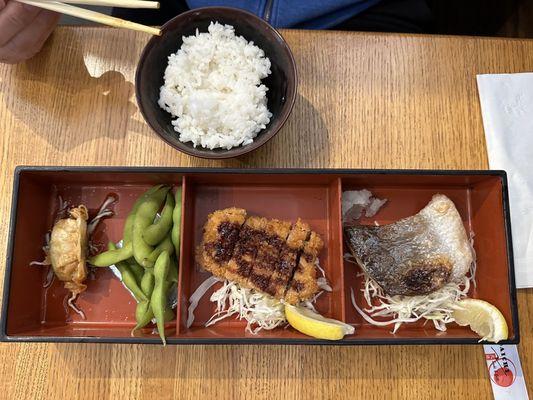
365, 101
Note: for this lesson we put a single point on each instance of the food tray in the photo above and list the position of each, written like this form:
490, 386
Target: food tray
33, 314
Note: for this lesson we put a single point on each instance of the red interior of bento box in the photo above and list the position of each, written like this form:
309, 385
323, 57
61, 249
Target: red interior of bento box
479, 202
35, 311
315, 201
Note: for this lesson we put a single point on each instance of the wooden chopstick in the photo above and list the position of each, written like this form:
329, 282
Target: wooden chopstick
91, 15
111, 3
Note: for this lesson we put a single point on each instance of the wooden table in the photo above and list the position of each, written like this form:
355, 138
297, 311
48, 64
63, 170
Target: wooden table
365, 101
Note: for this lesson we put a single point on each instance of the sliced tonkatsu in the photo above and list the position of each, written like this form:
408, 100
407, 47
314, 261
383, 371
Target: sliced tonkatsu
268, 255
248, 243
221, 232
303, 284
289, 256
261, 275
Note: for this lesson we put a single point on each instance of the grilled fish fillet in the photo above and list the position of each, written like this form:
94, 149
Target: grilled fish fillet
416, 255
261, 254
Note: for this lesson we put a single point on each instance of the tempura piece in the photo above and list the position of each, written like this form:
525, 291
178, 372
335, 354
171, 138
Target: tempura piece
68, 248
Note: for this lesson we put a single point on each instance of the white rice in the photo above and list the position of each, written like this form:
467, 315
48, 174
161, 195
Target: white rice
213, 88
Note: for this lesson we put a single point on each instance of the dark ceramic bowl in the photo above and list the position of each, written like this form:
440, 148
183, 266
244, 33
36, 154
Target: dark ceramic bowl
281, 82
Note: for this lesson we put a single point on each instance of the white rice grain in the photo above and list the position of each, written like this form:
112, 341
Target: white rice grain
212, 86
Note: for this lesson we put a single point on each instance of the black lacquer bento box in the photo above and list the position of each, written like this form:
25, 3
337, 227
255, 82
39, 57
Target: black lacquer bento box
31, 313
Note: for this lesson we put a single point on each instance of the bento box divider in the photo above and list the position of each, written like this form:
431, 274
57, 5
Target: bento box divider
335, 249
187, 212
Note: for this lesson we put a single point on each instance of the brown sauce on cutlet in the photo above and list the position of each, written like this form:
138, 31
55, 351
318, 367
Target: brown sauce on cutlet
222, 249
253, 241
288, 260
247, 247
248, 242
260, 257
275, 242
262, 282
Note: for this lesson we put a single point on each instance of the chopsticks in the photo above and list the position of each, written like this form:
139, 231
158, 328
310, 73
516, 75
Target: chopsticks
110, 3
94, 16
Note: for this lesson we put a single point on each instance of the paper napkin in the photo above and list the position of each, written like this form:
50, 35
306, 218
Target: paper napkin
507, 110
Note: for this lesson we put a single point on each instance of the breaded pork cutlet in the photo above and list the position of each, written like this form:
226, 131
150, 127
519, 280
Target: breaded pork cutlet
288, 259
304, 284
221, 232
250, 238
262, 275
261, 254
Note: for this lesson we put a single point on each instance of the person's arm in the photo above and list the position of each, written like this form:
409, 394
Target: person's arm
23, 30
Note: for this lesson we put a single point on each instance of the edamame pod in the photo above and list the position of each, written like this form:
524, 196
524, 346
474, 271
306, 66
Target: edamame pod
111, 257
147, 283
176, 223
165, 245
128, 278
158, 300
143, 315
143, 312
173, 271
143, 218
128, 225
156, 232
169, 314
137, 270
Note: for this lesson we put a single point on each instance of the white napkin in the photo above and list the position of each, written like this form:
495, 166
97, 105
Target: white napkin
505, 372
507, 109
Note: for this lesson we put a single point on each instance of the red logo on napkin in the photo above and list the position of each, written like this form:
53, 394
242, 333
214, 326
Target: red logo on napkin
502, 371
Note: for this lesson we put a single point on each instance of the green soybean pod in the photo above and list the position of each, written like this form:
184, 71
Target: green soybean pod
158, 300
165, 245
111, 257
143, 312
169, 314
128, 278
158, 230
147, 283
143, 315
173, 270
143, 218
128, 225
176, 222
137, 270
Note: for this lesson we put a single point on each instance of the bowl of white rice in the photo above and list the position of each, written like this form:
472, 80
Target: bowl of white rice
218, 83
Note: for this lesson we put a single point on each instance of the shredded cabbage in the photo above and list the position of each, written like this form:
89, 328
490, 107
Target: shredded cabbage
103, 212
197, 295
437, 306
259, 310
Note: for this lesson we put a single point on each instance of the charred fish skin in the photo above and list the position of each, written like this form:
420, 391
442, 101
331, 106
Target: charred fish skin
416, 255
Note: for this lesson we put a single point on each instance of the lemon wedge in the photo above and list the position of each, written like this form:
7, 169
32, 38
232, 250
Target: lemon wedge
484, 319
315, 325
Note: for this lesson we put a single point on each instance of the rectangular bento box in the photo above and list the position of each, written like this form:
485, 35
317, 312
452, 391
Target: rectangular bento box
32, 313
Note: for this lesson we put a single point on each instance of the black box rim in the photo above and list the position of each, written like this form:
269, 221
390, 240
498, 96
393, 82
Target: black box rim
4, 337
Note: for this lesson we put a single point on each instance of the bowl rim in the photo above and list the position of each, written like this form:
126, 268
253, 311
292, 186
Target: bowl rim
239, 150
